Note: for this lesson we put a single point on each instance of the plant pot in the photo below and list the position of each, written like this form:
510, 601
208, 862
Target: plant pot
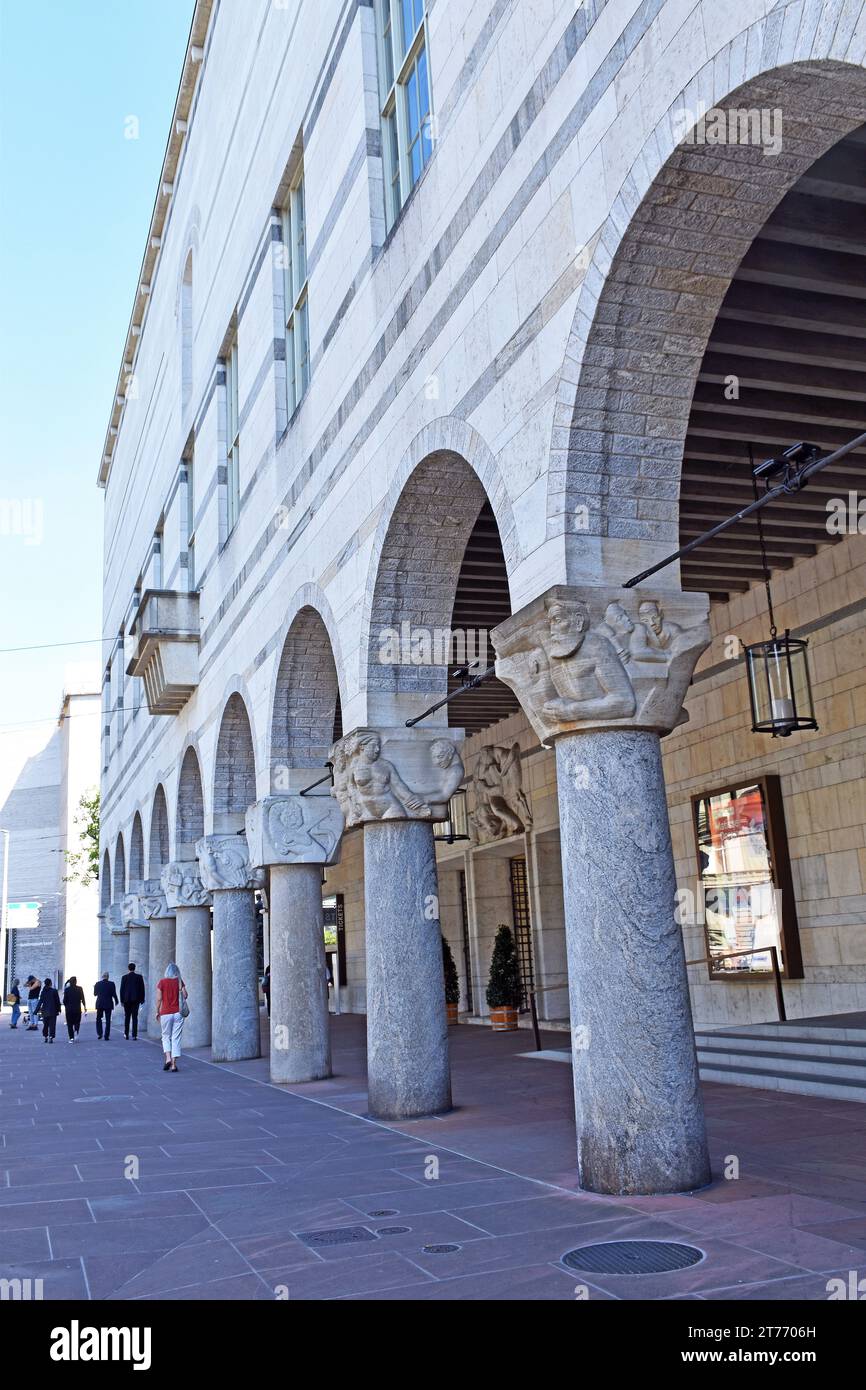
451, 1011
503, 1019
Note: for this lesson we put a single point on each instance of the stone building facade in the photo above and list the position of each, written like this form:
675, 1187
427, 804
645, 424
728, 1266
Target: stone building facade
43, 776
424, 333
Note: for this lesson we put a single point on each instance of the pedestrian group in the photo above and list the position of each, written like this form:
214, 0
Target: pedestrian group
44, 1003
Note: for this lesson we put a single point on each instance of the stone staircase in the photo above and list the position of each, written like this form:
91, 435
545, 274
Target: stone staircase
803, 1056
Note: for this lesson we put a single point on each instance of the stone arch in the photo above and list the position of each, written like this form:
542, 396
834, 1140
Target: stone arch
305, 706
119, 880
684, 218
159, 852
136, 852
234, 787
105, 882
439, 489
189, 821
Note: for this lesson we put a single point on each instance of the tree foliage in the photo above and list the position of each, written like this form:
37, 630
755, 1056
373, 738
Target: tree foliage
452, 982
504, 988
83, 863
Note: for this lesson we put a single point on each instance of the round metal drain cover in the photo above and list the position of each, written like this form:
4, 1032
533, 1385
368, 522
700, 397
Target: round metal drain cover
632, 1257
386, 1211
439, 1249
392, 1230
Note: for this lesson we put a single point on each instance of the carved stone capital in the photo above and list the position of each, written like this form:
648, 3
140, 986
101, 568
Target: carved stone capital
602, 658
295, 829
130, 911
151, 901
396, 773
114, 917
181, 883
224, 862
501, 805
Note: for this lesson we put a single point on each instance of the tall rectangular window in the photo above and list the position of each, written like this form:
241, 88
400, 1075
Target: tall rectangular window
404, 95
233, 475
296, 298
190, 523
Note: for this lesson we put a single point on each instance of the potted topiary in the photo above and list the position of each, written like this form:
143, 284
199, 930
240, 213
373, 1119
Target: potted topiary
503, 989
452, 983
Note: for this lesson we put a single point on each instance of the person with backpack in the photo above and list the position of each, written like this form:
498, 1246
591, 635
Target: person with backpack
49, 1008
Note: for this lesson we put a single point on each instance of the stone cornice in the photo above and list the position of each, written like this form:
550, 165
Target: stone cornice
181, 122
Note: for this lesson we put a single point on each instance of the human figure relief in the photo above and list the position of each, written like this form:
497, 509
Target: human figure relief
659, 638
366, 785
589, 679
305, 843
514, 797
444, 755
501, 806
343, 790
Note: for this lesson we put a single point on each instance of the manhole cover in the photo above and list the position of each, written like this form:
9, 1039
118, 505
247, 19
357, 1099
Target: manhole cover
392, 1230
386, 1211
439, 1249
340, 1235
632, 1257
91, 1100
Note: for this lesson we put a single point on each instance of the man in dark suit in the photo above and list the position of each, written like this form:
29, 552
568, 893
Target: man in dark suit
106, 998
131, 997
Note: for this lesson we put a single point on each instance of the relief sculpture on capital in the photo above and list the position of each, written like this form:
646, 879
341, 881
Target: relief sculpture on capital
392, 778
601, 658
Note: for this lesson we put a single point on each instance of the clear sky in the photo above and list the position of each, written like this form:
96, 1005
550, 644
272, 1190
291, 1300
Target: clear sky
76, 203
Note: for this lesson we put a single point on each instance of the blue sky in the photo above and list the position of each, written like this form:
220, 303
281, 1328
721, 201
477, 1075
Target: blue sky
77, 197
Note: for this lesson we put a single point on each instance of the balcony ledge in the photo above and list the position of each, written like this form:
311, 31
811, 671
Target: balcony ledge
165, 652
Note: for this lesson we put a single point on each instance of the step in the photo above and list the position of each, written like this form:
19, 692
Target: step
788, 1030
791, 1047
777, 1063
802, 1084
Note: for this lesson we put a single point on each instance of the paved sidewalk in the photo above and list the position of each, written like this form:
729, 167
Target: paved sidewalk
118, 1181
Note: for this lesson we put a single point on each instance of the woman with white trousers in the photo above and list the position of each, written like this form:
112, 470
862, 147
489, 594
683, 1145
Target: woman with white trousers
171, 999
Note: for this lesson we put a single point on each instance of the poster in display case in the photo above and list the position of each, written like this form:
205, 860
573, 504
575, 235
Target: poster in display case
744, 872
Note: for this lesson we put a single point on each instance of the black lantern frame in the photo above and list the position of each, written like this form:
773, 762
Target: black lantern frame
780, 691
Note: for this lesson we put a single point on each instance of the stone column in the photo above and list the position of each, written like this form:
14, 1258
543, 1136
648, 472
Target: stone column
138, 949
162, 945
396, 782
226, 872
294, 836
191, 904
602, 673
119, 955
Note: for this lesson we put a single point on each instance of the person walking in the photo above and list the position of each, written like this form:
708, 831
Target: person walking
73, 1004
34, 989
266, 989
106, 998
170, 999
14, 998
132, 998
49, 1008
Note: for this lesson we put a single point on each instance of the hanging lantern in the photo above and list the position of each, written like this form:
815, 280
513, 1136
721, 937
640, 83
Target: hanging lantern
456, 827
780, 691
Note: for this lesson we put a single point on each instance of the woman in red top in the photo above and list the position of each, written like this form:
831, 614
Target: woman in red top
170, 991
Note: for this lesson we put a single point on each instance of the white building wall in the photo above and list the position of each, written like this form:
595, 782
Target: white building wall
460, 328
